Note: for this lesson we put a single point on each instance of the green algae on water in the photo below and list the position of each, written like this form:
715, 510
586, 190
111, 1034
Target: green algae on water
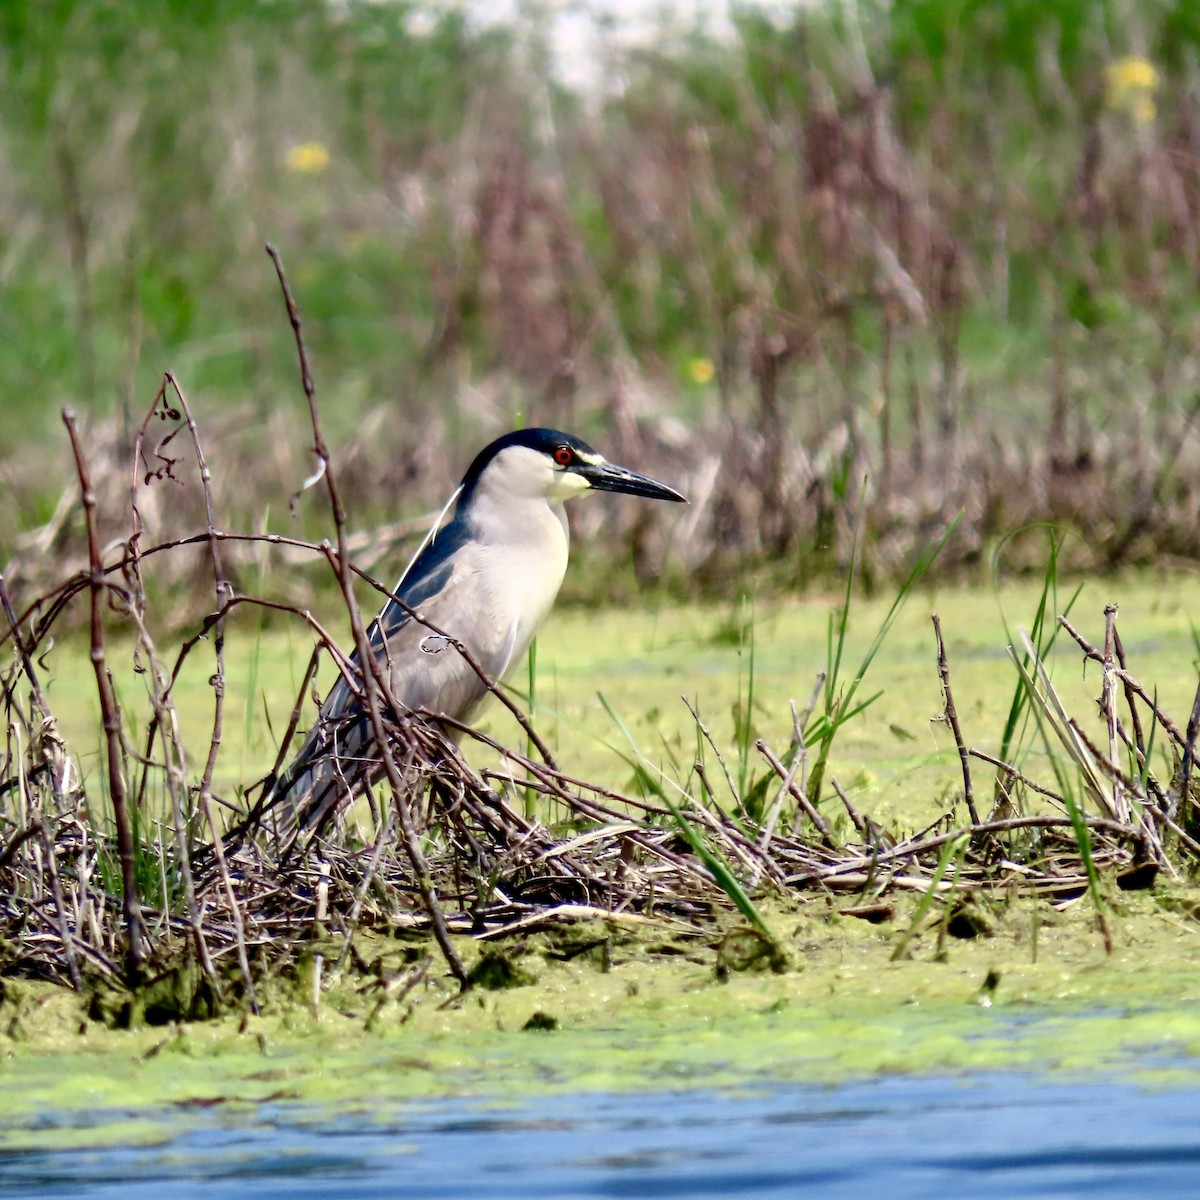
645, 1021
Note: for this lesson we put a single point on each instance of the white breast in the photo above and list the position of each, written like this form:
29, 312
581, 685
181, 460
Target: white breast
522, 559
504, 583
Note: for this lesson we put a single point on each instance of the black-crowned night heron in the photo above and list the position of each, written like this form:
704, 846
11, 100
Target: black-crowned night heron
488, 578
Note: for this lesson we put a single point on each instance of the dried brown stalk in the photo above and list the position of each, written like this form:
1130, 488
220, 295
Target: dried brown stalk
950, 715
110, 715
371, 667
224, 595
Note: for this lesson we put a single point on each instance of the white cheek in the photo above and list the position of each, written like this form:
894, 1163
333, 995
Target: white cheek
567, 484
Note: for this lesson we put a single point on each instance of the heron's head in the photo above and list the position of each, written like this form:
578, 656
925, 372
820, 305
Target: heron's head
546, 463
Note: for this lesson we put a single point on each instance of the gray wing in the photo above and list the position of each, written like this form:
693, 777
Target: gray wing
339, 757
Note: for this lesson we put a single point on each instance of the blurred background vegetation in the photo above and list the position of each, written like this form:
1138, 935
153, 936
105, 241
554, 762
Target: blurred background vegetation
858, 261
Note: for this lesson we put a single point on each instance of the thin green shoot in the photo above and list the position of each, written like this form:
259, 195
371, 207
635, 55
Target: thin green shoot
1066, 784
649, 777
940, 953
1046, 701
248, 721
251, 692
952, 851
715, 862
531, 796
719, 868
744, 712
1083, 839
672, 755
1043, 632
838, 705
1143, 772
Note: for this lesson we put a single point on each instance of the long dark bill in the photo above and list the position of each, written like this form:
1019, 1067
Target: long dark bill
608, 477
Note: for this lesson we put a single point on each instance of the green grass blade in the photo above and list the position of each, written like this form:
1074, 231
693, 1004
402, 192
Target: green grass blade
951, 852
744, 724
717, 866
839, 705
1043, 631
1075, 810
648, 776
531, 796
713, 860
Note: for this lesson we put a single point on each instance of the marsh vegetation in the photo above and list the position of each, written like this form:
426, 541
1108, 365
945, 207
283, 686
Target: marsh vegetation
166, 899
874, 330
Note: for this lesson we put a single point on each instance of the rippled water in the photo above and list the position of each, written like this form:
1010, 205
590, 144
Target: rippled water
1001, 1136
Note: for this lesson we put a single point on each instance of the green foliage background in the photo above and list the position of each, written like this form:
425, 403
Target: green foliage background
894, 230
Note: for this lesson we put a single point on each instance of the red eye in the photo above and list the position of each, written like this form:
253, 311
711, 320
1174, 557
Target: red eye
563, 456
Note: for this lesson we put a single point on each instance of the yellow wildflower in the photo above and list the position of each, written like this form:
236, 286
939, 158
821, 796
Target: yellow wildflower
1130, 84
308, 158
701, 370
1144, 109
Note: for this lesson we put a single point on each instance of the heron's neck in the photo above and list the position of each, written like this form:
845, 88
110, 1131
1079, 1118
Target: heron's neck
520, 522
521, 546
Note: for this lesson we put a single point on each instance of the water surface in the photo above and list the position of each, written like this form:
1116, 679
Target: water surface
1002, 1136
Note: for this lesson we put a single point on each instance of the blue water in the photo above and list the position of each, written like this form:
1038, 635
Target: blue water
896, 1138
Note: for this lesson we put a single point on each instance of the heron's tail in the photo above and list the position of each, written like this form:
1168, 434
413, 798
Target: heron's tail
332, 766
